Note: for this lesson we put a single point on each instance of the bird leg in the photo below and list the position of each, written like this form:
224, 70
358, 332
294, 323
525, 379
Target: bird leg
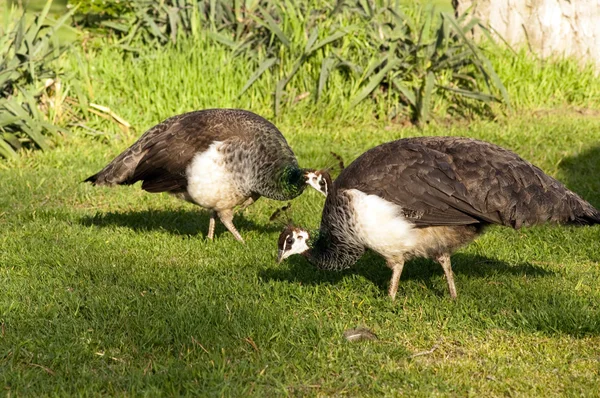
226, 217
211, 225
396, 267
249, 201
444, 261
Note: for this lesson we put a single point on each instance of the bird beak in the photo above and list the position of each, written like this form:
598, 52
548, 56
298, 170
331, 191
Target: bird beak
279, 256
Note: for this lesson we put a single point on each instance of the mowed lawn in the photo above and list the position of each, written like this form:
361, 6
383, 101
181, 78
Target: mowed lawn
117, 291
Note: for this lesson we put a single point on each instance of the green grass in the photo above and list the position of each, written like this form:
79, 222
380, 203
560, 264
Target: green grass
202, 74
116, 291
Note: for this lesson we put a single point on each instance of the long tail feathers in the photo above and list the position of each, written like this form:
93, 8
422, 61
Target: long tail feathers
588, 219
92, 179
120, 170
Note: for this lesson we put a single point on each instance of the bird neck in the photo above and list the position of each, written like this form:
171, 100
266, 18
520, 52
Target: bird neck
328, 253
291, 182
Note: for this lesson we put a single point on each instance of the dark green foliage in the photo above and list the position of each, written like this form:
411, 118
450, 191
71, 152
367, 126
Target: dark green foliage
95, 13
101, 8
26, 74
424, 56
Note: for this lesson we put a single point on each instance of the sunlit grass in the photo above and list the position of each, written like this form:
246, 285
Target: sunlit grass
117, 291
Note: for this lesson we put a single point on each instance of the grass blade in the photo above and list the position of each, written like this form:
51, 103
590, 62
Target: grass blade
311, 41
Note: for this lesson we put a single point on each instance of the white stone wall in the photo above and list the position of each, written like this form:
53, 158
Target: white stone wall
552, 27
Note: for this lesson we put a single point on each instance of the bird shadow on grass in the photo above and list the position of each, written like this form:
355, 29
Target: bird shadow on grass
521, 297
580, 173
373, 268
177, 222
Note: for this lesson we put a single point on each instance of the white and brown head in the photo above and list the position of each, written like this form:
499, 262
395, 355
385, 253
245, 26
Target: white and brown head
292, 240
319, 180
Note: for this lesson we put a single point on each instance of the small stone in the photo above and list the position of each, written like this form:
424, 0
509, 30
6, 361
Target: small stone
360, 333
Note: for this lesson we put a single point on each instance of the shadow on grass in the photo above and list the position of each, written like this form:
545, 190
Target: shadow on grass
372, 267
178, 222
521, 297
580, 173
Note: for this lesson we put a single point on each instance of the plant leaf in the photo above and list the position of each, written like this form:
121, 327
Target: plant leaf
6, 150
326, 67
283, 82
487, 68
41, 18
407, 92
119, 27
6, 119
222, 39
173, 14
274, 28
471, 94
374, 82
154, 29
330, 39
258, 73
425, 102
311, 41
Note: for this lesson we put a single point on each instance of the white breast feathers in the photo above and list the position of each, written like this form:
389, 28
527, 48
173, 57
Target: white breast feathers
380, 225
210, 183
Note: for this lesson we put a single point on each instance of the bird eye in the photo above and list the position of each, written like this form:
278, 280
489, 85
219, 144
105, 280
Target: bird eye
322, 183
289, 241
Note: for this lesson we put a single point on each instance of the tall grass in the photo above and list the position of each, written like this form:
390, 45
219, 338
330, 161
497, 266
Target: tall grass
194, 74
204, 71
405, 60
533, 82
150, 85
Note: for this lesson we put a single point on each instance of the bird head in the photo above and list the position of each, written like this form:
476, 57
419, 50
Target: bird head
292, 240
319, 180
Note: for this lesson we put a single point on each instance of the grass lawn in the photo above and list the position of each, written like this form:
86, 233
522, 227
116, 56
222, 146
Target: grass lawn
117, 291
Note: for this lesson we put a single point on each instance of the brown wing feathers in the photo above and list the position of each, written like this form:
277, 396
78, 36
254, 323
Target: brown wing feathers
160, 157
458, 181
